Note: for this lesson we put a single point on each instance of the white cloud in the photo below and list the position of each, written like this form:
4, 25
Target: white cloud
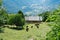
36, 10
33, 5
28, 13
43, 1
37, 7
23, 7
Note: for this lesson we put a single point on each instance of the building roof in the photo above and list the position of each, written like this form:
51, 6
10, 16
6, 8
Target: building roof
33, 18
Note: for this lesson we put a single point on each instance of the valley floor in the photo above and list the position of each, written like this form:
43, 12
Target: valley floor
33, 33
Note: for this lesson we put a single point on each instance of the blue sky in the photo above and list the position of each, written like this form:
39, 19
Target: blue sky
30, 6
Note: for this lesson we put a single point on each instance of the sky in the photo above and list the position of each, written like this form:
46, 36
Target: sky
30, 6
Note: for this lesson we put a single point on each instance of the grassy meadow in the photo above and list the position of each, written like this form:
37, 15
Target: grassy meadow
33, 33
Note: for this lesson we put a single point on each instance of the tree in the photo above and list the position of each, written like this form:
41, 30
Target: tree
40, 14
45, 15
3, 16
20, 12
17, 19
11, 19
54, 34
0, 2
53, 15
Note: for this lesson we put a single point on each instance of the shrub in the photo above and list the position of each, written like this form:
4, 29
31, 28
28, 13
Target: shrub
45, 15
3, 16
17, 20
1, 30
1, 22
54, 34
11, 19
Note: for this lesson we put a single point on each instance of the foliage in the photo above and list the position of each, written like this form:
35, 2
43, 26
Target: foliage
1, 30
54, 15
1, 23
3, 17
54, 34
20, 12
41, 14
51, 18
11, 19
0, 2
45, 15
17, 19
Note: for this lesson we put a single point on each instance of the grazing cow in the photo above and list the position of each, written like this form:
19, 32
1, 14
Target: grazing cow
27, 28
31, 26
37, 25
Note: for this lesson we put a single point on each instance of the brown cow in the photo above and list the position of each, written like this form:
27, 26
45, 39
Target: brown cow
27, 28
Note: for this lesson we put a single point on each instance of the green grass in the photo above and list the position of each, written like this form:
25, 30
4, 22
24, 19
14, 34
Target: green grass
33, 33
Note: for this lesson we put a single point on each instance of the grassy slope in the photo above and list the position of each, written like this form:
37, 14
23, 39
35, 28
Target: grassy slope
33, 33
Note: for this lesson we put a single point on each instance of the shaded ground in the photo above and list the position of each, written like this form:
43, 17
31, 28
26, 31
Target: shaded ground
33, 33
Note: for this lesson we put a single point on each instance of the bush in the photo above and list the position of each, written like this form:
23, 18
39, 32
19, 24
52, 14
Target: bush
11, 19
45, 15
17, 20
3, 17
1, 30
1, 23
54, 34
